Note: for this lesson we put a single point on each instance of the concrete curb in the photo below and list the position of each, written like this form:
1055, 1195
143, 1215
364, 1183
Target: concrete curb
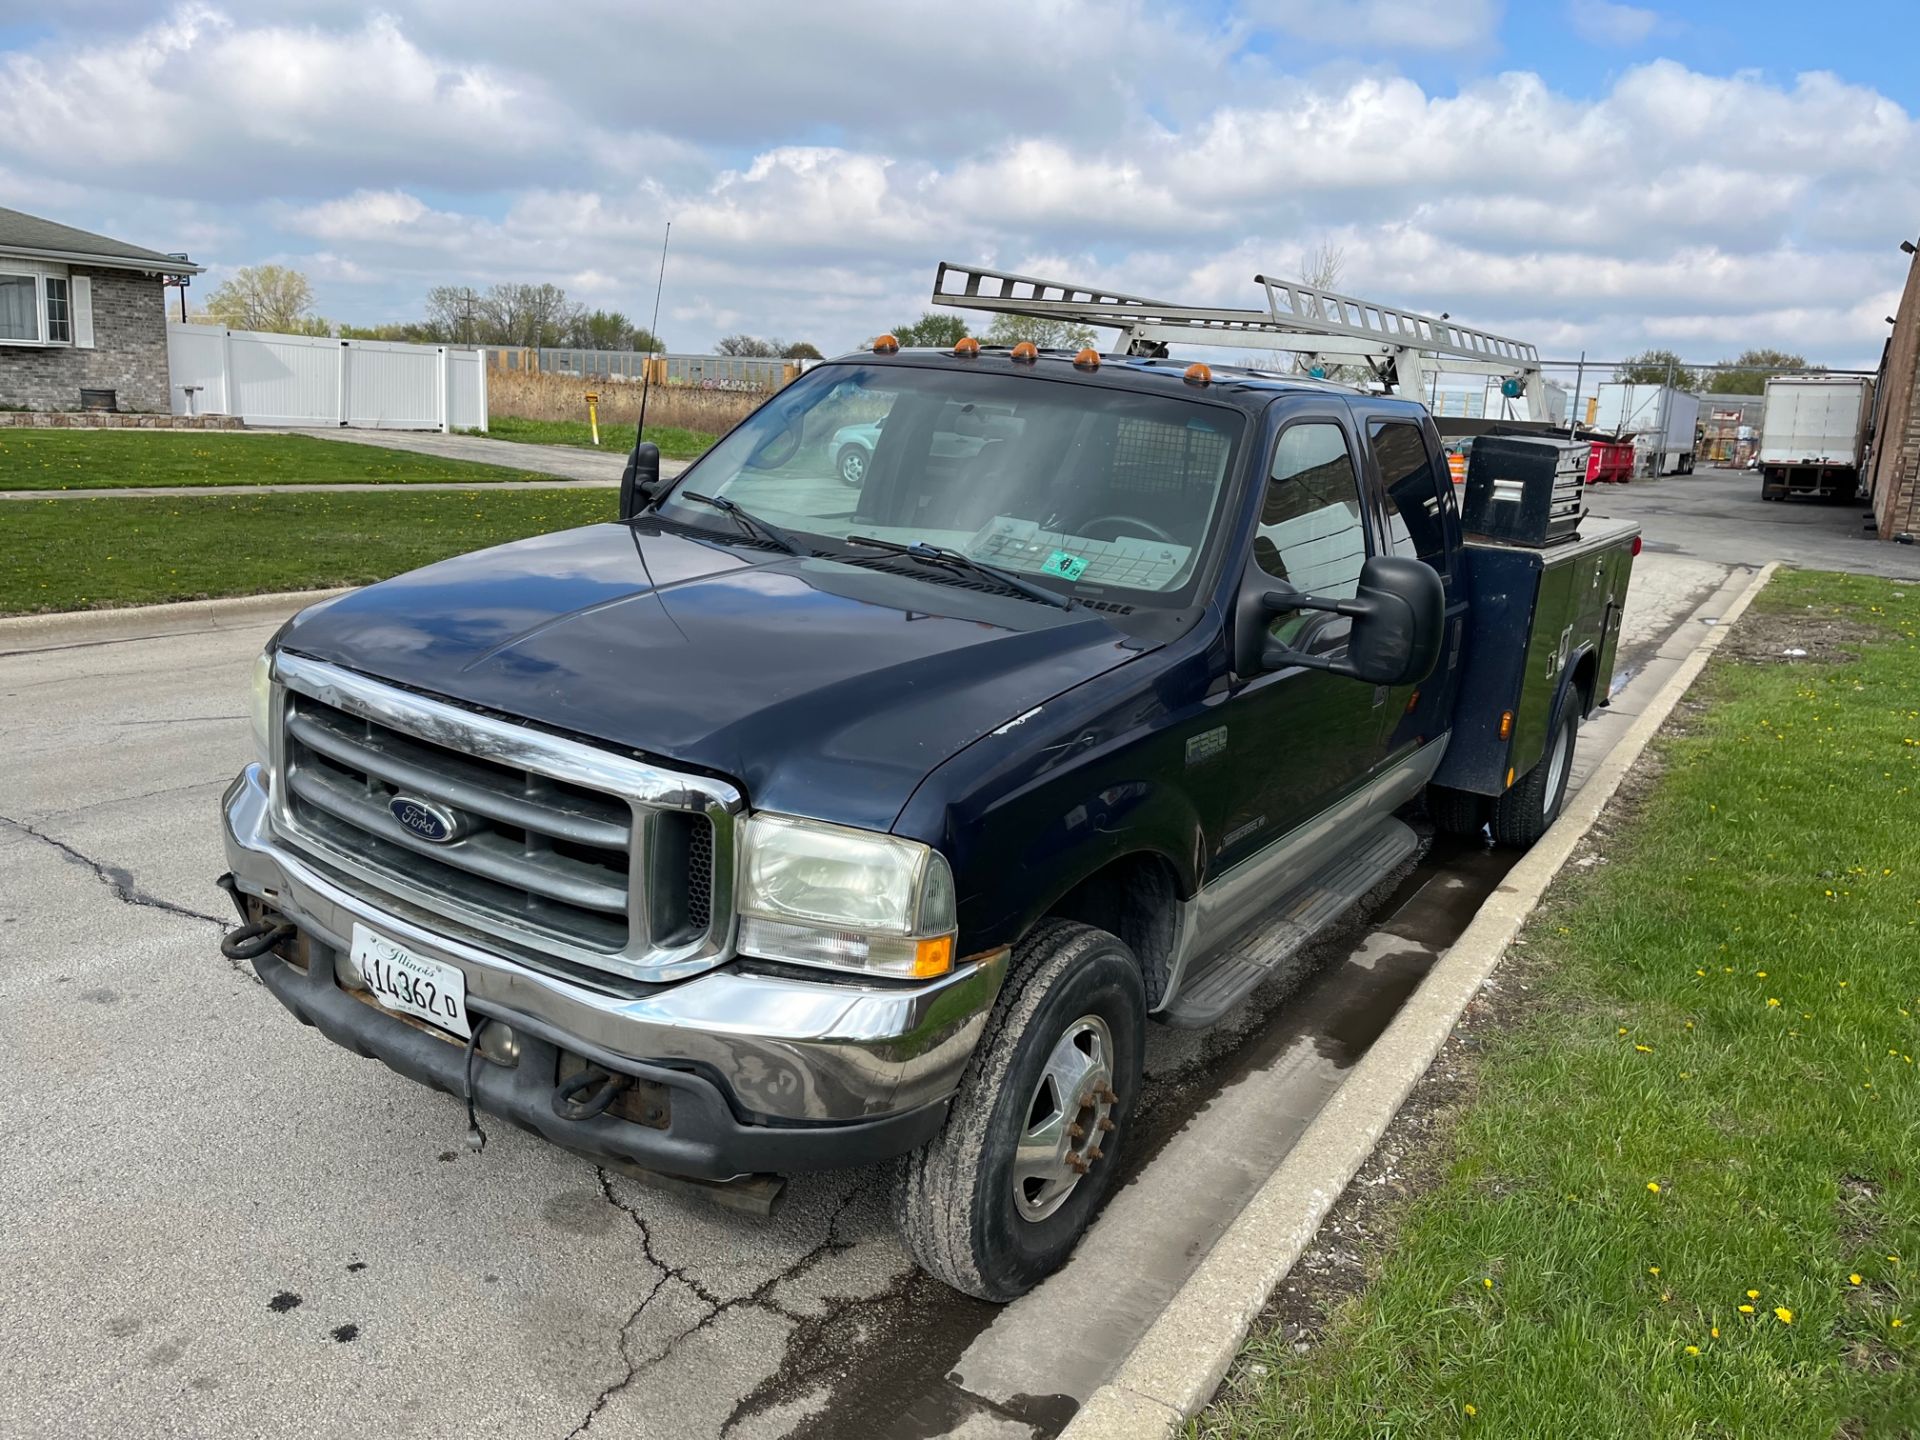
142, 621
1176, 1366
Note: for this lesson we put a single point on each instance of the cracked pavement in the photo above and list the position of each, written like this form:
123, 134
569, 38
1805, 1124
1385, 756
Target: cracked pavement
219, 1224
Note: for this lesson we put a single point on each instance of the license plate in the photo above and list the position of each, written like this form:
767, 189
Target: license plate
401, 980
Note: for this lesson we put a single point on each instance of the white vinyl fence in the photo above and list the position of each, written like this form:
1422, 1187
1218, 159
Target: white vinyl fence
308, 380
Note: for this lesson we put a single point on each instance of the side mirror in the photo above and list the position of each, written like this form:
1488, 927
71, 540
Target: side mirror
640, 481
1399, 616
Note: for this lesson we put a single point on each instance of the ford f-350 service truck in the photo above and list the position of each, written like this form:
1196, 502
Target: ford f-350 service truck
787, 823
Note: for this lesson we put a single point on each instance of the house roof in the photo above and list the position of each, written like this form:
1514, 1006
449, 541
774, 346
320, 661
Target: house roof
29, 236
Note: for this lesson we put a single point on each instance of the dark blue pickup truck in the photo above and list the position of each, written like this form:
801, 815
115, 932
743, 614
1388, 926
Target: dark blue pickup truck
793, 822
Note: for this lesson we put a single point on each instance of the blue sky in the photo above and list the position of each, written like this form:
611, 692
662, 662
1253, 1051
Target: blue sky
1578, 173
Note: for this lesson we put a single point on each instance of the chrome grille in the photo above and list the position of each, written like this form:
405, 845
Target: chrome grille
558, 848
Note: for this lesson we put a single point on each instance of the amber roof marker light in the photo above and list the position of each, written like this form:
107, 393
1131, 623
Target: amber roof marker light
1198, 374
966, 347
1025, 351
1087, 359
885, 345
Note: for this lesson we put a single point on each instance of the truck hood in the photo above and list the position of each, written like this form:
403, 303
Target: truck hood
824, 688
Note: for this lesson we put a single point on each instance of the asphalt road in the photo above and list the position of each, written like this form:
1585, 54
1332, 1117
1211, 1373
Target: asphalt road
218, 1224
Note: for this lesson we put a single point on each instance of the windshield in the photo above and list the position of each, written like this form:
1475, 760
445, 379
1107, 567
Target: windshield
1085, 489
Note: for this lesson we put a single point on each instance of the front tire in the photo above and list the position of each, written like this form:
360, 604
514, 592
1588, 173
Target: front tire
1458, 812
997, 1200
1524, 813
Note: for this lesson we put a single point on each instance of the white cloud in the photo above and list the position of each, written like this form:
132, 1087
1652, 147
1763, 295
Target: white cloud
1605, 23
816, 164
1384, 24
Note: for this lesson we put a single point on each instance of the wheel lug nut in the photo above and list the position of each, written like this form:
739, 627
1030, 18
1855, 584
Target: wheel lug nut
1093, 1152
1076, 1130
1076, 1164
1104, 1125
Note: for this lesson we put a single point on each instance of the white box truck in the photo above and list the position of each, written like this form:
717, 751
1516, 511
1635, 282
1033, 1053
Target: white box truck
1814, 434
1661, 420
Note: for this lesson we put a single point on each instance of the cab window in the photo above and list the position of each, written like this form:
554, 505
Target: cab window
1311, 533
1417, 492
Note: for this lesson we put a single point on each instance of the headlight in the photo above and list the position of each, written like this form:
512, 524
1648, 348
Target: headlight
818, 894
262, 711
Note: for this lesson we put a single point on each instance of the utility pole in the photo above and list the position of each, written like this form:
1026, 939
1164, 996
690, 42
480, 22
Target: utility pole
1573, 404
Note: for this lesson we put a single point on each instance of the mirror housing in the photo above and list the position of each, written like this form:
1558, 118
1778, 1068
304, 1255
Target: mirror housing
640, 481
1399, 616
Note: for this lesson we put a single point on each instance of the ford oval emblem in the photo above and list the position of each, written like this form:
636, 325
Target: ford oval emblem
425, 819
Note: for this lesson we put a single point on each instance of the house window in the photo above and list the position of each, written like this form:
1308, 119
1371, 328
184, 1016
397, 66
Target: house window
19, 308
59, 316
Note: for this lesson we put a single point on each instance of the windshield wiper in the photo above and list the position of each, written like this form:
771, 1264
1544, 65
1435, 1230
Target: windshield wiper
750, 522
942, 555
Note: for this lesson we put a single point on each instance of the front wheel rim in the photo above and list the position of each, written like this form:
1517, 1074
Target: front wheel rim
1067, 1120
853, 468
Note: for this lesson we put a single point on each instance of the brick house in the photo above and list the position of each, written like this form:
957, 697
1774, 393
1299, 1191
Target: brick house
79, 311
1895, 469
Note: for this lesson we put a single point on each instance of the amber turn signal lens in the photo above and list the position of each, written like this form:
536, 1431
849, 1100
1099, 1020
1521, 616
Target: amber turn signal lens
885, 345
932, 957
1198, 374
1026, 350
966, 347
1506, 724
1088, 359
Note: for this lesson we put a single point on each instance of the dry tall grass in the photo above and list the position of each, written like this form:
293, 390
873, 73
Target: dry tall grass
563, 397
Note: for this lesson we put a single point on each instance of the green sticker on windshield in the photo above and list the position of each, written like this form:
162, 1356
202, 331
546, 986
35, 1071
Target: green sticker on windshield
1067, 567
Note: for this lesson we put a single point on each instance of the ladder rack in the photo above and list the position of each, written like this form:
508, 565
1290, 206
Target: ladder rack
1399, 344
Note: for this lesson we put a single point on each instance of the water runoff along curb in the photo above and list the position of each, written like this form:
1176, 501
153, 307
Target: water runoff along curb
1178, 1363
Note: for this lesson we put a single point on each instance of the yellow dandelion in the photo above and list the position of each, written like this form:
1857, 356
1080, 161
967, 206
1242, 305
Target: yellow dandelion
1783, 1314
1714, 1332
1746, 1309
1773, 1003
1753, 1294
1853, 1279
1654, 1186
1487, 1283
1653, 1269
1644, 1049
1471, 1412
1621, 1031
1897, 1322
1693, 1349
1759, 974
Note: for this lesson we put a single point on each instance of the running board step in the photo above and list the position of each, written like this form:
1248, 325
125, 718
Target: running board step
1223, 979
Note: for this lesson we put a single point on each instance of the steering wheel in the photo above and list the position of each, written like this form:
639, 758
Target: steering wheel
1120, 523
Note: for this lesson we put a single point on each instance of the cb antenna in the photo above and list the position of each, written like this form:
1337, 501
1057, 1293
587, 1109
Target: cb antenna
653, 334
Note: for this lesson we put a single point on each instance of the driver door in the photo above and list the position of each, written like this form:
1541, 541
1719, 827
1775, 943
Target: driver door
1300, 740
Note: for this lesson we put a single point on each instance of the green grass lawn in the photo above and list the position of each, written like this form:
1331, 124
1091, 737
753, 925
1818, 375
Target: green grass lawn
79, 554
1685, 1199
674, 442
102, 459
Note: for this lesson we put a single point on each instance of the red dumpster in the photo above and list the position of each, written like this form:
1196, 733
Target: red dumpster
1610, 463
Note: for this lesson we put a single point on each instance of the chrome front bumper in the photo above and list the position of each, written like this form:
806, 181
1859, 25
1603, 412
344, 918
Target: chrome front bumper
784, 1051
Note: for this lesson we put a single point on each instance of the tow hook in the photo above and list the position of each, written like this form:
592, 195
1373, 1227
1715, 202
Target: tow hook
583, 1096
254, 939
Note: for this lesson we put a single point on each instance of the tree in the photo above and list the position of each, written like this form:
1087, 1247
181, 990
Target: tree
934, 330
800, 350
645, 340
600, 330
455, 314
1657, 367
264, 297
747, 346
1322, 266
1047, 334
527, 315
1753, 369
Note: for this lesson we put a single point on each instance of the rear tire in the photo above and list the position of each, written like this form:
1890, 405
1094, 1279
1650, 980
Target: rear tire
1524, 813
1071, 1017
1458, 812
